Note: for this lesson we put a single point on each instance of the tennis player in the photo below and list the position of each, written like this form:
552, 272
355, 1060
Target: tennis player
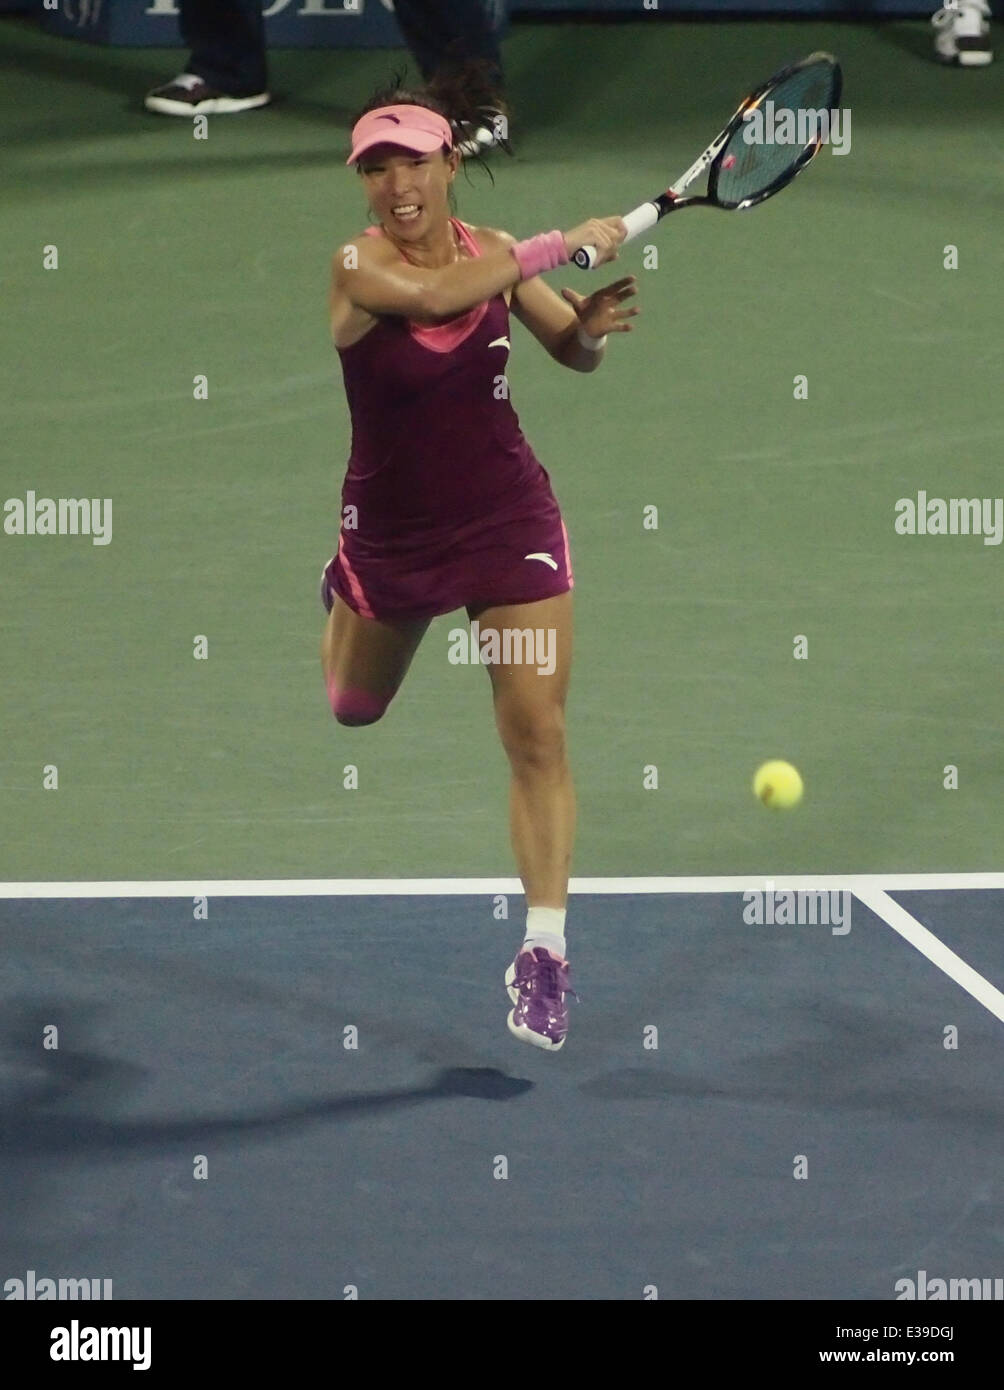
444, 504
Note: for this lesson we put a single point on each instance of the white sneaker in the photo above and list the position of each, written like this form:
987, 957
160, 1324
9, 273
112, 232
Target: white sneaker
189, 95
963, 33
484, 137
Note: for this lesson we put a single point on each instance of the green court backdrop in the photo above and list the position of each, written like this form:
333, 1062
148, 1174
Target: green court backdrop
776, 515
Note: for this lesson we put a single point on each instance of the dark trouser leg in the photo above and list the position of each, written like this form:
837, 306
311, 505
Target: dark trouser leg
227, 42
464, 27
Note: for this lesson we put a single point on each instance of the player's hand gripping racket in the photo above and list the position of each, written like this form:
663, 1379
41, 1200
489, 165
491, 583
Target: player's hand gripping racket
743, 172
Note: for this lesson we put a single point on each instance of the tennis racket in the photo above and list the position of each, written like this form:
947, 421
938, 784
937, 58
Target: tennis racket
744, 172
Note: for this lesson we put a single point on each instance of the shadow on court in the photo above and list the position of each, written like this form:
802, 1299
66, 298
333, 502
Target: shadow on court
48, 1099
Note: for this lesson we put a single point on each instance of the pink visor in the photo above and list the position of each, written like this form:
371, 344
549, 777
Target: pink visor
412, 127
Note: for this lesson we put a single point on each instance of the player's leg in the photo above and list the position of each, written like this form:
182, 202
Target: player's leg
364, 661
530, 717
529, 698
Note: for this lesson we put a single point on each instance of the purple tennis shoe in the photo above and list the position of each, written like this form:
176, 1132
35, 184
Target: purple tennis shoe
537, 982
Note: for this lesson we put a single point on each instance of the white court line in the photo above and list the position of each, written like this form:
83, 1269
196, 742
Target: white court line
418, 887
868, 888
936, 951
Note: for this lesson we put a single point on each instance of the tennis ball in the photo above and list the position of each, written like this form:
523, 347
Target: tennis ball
778, 785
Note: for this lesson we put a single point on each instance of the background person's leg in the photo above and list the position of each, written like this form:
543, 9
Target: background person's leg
443, 31
227, 43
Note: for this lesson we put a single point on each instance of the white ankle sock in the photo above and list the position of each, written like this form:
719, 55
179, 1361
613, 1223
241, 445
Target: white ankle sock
545, 926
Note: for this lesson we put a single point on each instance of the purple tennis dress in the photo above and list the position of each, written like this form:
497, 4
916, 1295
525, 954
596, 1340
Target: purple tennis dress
444, 504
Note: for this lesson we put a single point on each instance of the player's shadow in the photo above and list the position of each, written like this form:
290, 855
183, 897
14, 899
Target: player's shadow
29, 1128
59, 1102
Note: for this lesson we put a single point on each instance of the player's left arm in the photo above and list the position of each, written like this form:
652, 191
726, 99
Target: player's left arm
551, 320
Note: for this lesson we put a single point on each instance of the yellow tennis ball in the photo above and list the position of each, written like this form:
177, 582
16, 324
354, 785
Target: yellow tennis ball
778, 785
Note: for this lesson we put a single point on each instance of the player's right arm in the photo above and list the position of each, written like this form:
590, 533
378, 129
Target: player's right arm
370, 274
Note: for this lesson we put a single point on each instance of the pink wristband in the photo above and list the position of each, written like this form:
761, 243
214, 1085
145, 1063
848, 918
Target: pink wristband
542, 252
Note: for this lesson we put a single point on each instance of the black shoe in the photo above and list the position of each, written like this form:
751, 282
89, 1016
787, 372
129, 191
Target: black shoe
189, 95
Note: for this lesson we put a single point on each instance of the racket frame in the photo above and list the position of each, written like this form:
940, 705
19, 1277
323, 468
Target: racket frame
646, 215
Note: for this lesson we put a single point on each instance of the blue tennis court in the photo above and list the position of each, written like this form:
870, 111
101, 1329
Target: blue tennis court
337, 1070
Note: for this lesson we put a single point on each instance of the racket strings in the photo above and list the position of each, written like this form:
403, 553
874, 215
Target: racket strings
780, 132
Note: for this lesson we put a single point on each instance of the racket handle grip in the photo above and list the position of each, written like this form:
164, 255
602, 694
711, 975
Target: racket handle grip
637, 221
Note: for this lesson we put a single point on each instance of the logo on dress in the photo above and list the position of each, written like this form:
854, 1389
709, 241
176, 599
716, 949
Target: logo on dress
547, 559
500, 342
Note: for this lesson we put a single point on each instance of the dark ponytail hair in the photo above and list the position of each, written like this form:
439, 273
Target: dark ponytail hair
465, 90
